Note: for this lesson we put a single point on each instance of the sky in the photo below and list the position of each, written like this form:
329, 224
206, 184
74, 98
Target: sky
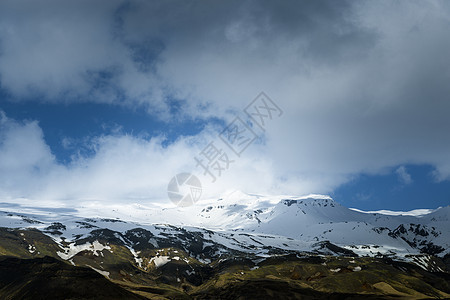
109, 100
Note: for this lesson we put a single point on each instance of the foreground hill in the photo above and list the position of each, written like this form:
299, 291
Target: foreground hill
49, 278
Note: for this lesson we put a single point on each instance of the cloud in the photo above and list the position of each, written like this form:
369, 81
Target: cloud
120, 168
364, 85
24, 156
144, 53
403, 176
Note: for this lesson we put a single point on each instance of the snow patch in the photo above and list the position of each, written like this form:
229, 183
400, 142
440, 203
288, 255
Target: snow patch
414, 212
73, 249
31, 248
104, 273
160, 261
335, 270
137, 259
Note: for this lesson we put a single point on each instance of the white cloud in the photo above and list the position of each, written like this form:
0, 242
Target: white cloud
403, 176
122, 167
24, 157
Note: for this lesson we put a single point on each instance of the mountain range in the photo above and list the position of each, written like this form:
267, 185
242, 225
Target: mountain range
240, 245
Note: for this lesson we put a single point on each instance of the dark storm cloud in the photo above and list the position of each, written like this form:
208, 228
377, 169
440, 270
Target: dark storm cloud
56, 48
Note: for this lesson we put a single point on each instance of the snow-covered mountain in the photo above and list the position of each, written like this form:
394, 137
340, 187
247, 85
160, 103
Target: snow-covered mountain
220, 248
243, 221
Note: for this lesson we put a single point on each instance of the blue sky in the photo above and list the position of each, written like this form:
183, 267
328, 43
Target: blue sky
108, 101
389, 191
